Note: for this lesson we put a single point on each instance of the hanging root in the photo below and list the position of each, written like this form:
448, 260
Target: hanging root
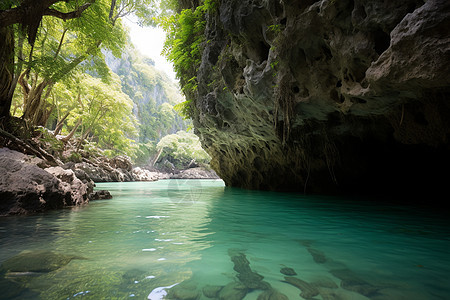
284, 104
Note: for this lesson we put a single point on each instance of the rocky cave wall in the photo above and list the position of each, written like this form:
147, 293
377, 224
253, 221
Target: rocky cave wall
326, 96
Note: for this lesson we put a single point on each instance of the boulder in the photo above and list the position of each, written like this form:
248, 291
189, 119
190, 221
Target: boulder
100, 195
25, 188
78, 190
94, 173
103, 169
121, 162
140, 174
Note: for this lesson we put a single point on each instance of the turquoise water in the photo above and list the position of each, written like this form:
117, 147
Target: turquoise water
188, 232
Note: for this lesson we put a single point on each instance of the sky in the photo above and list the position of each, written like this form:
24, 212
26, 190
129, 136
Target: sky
150, 42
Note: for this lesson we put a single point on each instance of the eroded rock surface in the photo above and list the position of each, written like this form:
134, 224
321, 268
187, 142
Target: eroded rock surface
70, 184
26, 188
326, 96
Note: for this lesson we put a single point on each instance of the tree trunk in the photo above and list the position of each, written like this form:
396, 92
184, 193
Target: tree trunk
35, 109
70, 135
155, 159
60, 124
6, 70
32, 100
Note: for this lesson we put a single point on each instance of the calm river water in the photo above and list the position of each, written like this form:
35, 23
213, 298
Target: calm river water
202, 236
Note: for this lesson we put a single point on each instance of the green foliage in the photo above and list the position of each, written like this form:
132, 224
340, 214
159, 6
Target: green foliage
62, 46
144, 152
107, 113
183, 46
75, 157
181, 148
5, 4
276, 28
184, 109
80, 91
49, 140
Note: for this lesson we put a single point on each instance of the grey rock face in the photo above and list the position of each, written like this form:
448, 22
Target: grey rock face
71, 185
26, 188
326, 96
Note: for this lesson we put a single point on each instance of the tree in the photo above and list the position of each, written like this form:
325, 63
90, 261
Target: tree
79, 25
101, 112
181, 149
28, 14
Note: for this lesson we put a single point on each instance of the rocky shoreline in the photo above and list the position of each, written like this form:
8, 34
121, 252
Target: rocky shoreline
29, 185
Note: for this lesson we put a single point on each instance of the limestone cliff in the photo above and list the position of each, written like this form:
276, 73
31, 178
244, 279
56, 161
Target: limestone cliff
326, 96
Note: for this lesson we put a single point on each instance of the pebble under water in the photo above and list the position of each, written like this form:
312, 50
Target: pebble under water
197, 239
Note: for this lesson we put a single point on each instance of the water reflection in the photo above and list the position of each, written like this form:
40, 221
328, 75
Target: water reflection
210, 239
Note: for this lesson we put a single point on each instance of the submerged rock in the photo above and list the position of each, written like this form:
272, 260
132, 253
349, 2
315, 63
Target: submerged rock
324, 282
272, 294
10, 289
233, 291
133, 275
308, 290
288, 271
318, 256
39, 261
212, 291
186, 290
249, 278
350, 281
330, 295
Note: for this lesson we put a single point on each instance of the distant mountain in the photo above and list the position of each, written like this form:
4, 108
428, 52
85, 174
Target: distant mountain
154, 94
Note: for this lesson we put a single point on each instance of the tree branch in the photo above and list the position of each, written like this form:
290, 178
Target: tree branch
20, 13
69, 15
60, 43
